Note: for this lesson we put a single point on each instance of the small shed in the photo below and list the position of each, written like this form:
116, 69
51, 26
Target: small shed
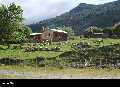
97, 35
94, 35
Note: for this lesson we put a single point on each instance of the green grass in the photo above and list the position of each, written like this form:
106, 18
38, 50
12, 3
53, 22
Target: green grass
21, 54
18, 53
28, 55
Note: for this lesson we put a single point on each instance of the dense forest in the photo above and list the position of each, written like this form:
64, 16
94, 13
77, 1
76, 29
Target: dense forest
84, 16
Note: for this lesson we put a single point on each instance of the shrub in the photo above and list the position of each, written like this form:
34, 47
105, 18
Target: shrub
55, 49
40, 61
10, 61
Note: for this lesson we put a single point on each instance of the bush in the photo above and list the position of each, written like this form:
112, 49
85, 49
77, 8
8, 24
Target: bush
10, 61
17, 47
55, 49
81, 45
40, 61
45, 49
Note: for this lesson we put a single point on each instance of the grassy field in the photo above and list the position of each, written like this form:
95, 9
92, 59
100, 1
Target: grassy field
21, 54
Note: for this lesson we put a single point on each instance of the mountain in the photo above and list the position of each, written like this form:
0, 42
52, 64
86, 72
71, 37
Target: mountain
86, 15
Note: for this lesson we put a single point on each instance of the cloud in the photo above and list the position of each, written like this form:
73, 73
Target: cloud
36, 10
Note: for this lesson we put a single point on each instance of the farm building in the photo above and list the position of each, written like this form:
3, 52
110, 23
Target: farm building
55, 35
96, 35
36, 37
50, 35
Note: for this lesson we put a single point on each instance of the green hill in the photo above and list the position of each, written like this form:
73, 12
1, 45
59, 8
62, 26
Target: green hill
84, 16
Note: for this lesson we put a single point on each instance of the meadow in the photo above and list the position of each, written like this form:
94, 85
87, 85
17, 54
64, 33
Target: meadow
23, 71
34, 55
21, 54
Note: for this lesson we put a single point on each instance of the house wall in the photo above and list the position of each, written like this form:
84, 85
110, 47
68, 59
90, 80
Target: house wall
97, 35
54, 36
57, 36
37, 38
48, 35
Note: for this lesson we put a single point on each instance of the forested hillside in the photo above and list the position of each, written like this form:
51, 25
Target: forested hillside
84, 16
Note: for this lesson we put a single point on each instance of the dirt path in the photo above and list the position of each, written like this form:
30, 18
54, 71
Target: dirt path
30, 75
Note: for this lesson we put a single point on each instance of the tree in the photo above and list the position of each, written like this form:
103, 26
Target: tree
94, 29
11, 27
69, 30
116, 29
21, 35
108, 31
91, 30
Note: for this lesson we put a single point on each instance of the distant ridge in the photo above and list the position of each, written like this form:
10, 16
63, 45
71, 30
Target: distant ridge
84, 16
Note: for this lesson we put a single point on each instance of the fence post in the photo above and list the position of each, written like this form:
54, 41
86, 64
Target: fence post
36, 65
100, 62
45, 65
106, 62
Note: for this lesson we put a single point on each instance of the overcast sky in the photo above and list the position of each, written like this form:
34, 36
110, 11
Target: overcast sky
36, 10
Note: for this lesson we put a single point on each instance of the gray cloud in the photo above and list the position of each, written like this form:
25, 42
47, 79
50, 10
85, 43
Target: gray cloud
36, 10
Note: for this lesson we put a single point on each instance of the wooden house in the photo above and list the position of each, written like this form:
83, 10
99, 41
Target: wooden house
55, 35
